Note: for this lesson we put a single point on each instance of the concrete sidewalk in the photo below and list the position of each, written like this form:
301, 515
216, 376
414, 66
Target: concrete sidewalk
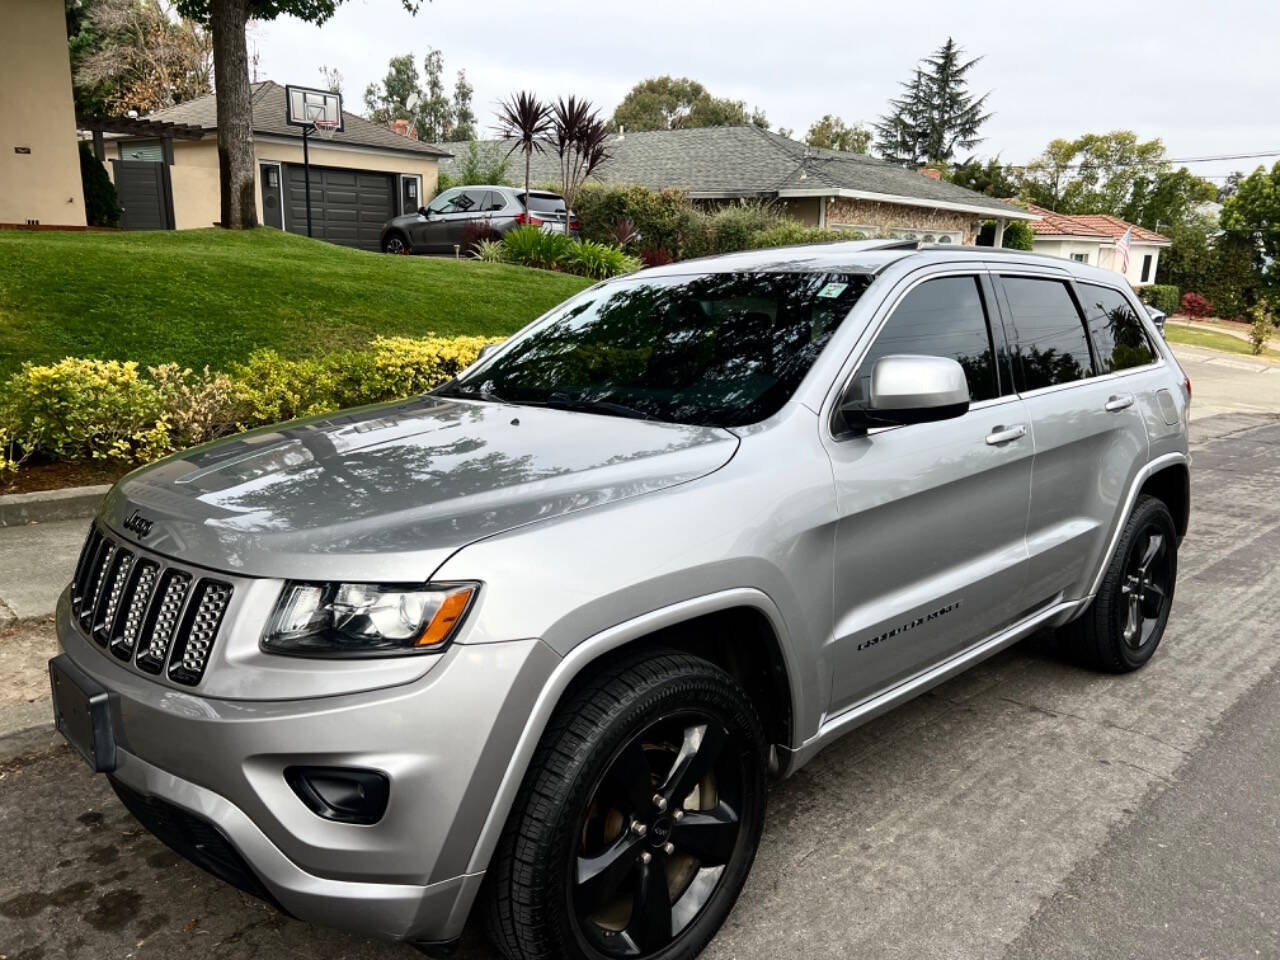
36, 563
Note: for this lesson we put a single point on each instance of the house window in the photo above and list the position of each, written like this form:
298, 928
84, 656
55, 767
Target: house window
142, 150
1080, 257
1146, 268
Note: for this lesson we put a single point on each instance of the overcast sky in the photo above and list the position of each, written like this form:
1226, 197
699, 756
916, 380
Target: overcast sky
1205, 77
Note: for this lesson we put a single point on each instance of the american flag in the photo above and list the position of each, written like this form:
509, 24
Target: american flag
1122, 249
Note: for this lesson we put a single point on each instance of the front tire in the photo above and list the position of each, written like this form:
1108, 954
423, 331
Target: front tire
1121, 629
396, 243
638, 820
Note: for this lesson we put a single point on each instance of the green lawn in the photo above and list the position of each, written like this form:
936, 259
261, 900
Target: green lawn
211, 297
1212, 340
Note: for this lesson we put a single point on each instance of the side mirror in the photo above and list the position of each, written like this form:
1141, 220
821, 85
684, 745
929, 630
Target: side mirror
907, 388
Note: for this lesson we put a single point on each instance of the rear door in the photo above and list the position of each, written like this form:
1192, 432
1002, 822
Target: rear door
1089, 437
930, 540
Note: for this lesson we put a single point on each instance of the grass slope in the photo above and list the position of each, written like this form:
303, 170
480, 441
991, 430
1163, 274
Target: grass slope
1212, 340
211, 297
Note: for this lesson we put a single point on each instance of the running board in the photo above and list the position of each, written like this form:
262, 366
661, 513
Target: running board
847, 720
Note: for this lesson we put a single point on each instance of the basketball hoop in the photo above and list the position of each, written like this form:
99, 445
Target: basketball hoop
325, 129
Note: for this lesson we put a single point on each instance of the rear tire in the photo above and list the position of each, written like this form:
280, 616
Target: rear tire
649, 778
1122, 628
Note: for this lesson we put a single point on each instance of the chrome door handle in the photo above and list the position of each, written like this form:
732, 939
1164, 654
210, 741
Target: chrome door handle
1117, 403
1006, 435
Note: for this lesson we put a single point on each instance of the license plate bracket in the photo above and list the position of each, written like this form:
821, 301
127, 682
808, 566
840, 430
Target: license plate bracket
82, 713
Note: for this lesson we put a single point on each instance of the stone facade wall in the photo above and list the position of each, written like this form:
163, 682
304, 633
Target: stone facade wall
890, 216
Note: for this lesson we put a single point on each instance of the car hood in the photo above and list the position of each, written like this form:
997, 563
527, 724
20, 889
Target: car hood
389, 492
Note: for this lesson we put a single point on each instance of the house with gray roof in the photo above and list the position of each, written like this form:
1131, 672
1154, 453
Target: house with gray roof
362, 177
818, 187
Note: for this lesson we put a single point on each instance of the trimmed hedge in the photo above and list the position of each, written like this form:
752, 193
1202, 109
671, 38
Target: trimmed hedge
1165, 297
83, 409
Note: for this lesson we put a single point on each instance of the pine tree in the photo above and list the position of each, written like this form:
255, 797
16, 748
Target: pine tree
936, 115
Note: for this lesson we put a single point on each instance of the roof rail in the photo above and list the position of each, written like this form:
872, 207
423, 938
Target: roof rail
885, 243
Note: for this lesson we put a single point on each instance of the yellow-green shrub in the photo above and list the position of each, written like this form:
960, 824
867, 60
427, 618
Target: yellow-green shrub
107, 409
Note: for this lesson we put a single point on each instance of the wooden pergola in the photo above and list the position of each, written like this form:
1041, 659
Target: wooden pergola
162, 130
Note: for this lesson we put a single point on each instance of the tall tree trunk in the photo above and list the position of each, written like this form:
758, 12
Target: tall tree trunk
227, 21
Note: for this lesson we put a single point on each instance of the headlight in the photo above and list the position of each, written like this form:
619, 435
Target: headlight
366, 619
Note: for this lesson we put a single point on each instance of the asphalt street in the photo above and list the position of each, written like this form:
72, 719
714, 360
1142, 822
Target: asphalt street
1029, 808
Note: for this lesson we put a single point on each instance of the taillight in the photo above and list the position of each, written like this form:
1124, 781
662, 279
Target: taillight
1186, 385
573, 223
528, 219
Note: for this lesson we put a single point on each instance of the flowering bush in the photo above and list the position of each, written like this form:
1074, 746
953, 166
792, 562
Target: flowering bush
80, 409
1196, 305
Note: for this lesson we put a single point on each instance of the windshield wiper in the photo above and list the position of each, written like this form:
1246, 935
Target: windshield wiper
585, 405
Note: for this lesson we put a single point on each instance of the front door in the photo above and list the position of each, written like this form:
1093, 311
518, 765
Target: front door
272, 198
930, 542
1090, 439
410, 193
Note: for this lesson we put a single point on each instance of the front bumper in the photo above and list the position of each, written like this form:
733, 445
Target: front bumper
444, 740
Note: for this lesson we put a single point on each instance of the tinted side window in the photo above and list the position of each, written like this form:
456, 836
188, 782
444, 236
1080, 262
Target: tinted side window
1117, 332
1046, 335
469, 201
939, 318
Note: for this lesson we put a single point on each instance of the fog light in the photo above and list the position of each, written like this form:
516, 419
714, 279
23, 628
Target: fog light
344, 794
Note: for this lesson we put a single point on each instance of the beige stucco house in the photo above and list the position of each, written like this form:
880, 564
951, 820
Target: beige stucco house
39, 159
361, 178
1094, 239
821, 188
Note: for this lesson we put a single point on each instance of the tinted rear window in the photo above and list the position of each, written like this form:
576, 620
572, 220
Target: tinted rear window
545, 203
1046, 334
1117, 331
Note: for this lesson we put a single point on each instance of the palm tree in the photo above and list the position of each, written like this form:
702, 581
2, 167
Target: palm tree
526, 120
580, 137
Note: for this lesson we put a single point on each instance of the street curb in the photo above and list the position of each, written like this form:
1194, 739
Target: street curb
43, 506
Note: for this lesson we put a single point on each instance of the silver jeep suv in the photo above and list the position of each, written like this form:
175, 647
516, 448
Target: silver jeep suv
533, 643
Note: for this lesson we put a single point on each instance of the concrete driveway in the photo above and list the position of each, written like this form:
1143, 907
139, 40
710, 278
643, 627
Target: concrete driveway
1026, 809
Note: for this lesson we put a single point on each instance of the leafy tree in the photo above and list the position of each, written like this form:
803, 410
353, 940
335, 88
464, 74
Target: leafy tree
1252, 214
1190, 261
1096, 173
677, 103
1168, 199
992, 178
227, 20
936, 114
434, 117
137, 55
390, 100
525, 119
482, 163
464, 119
832, 133
332, 79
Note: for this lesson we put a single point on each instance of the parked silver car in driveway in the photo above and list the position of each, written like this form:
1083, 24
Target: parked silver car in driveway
532, 644
462, 214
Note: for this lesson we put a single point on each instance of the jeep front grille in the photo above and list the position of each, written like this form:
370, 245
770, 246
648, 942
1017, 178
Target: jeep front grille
145, 612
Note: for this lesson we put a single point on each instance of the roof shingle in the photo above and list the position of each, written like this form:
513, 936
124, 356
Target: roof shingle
268, 119
745, 161
1097, 225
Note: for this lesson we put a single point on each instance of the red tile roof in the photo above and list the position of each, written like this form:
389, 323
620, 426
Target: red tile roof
1096, 225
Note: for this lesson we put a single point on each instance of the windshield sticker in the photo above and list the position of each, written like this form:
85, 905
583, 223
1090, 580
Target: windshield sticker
833, 290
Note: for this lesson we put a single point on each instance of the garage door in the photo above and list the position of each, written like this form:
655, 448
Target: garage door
347, 206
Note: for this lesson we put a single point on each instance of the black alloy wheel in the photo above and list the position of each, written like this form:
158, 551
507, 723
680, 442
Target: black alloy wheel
661, 826
638, 819
396, 244
1122, 628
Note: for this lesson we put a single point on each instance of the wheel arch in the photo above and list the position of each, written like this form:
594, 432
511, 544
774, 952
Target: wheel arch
702, 626
1172, 484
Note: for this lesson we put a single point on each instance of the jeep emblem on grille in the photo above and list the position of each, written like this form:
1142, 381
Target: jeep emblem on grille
138, 524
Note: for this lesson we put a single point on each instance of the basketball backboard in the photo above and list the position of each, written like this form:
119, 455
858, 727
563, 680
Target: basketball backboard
303, 106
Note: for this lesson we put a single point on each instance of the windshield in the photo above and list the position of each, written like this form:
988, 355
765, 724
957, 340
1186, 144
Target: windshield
723, 349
